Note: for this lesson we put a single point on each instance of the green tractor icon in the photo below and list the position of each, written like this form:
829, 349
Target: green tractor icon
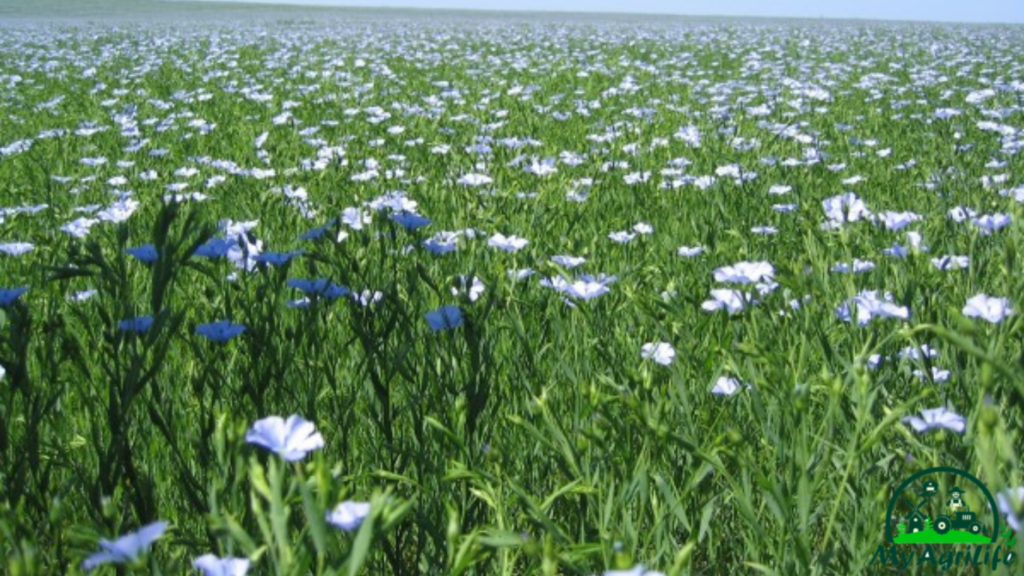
960, 516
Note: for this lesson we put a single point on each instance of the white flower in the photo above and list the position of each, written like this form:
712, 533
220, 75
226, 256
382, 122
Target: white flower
474, 180
520, 274
857, 267
959, 214
79, 228
211, 565
690, 251
126, 548
951, 262
937, 418
733, 301
568, 261
355, 218
16, 248
621, 237
119, 211
3, 372
938, 374
367, 297
473, 286
635, 571
660, 352
726, 386
82, 295
845, 208
291, 439
988, 308
349, 515
643, 228
912, 352
507, 243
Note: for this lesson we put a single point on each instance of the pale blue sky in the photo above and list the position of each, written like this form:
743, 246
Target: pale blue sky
943, 10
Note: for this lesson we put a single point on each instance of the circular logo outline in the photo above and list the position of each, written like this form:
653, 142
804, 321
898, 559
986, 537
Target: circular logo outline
908, 481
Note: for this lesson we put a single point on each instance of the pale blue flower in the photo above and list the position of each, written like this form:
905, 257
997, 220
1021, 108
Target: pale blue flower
1009, 502
442, 242
621, 237
79, 228
474, 180
988, 308
989, 223
727, 386
507, 243
16, 248
660, 352
348, 515
291, 439
127, 548
951, 262
82, 295
211, 565
744, 272
868, 306
635, 571
937, 418
568, 261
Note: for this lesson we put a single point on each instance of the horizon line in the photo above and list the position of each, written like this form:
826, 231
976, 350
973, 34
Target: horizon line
324, 4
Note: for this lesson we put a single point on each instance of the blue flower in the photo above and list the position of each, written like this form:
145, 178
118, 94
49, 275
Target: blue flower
278, 258
220, 331
444, 317
137, 325
320, 287
214, 248
9, 295
410, 220
146, 253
